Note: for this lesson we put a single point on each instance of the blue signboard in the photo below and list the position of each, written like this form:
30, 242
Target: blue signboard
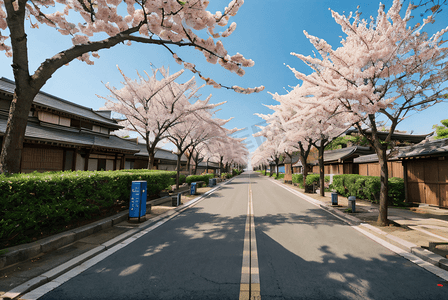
193, 188
137, 204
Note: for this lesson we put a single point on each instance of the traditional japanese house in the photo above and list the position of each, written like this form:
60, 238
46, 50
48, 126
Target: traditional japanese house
289, 162
163, 159
62, 135
340, 161
210, 167
426, 172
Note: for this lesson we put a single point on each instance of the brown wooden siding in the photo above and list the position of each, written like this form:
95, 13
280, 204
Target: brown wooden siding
373, 169
42, 159
141, 164
427, 181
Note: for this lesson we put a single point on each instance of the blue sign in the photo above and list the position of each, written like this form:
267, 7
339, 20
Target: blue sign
137, 204
193, 188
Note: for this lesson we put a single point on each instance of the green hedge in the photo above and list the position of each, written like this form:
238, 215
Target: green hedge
280, 176
314, 178
203, 178
368, 187
226, 175
46, 202
298, 178
236, 172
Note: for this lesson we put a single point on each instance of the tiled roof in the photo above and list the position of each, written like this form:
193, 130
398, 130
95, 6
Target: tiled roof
345, 153
287, 159
47, 100
36, 132
425, 148
374, 157
396, 136
160, 153
435, 147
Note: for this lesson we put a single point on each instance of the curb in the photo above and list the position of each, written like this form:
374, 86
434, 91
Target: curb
23, 252
426, 255
75, 262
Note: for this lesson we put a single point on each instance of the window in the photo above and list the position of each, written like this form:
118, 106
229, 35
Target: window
101, 164
68, 163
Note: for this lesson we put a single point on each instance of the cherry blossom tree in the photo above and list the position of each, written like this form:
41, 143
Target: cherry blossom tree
227, 149
151, 106
276, 143
288, 117
195, 128
303, 120
97, 25
384, 71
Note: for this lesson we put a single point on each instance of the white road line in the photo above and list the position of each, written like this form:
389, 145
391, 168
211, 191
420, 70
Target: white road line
250, 277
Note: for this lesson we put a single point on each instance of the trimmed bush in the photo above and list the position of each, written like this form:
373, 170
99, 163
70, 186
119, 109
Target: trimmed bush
45, 203
203, 178
280, 176
236, 172
298, 178
368, 188
396, 191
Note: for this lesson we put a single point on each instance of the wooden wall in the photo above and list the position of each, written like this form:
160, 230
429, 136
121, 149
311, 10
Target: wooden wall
427, 181
42, 159
373, 169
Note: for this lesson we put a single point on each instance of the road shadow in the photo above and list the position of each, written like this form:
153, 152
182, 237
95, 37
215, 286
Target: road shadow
329, 274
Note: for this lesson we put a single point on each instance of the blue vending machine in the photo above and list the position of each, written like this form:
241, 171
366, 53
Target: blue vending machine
137, 205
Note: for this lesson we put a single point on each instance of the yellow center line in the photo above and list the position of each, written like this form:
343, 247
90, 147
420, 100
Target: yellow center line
250, 279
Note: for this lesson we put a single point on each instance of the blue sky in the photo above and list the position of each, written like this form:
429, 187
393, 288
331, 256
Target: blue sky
267, 32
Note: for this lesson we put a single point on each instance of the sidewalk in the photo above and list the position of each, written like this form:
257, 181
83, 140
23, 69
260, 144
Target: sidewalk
56, 256
421, 230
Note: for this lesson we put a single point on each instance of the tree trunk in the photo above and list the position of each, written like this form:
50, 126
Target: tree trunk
151, 159
178, 170
384, 189
321, 168
303, 158
189, 162
196, 159
11, 154
380, 148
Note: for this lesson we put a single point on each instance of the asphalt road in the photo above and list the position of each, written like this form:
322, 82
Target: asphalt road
303, 253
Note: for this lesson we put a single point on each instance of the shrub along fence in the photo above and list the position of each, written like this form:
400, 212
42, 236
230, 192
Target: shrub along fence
196, 178
368, 188
310, 180
39, 204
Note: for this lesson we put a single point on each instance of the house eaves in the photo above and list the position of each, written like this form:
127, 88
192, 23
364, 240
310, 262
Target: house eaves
46, 101
339, 155
427, 148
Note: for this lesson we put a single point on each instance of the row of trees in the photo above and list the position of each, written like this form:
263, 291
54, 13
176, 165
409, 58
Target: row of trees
97, 25
161, 110
383, 71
